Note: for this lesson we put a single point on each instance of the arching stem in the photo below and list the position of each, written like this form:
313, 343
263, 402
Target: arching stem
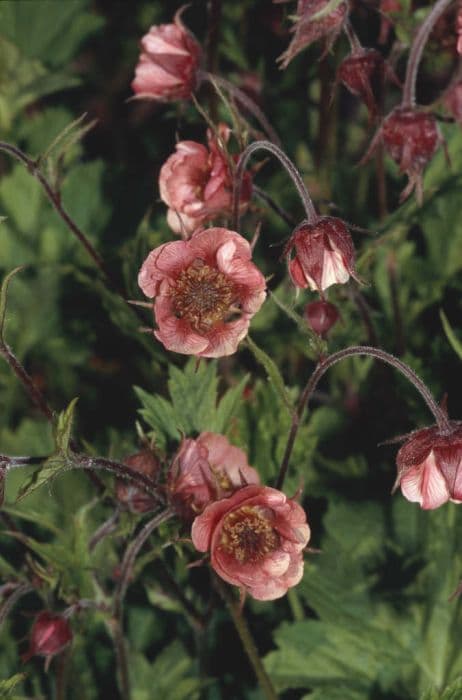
352, 37
322, 367
241, 97
416, 52
310, 211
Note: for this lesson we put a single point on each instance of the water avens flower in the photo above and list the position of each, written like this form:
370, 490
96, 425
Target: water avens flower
168, 65
363, 74
196, 183
205, 291
430, 466
204, 470
256, 539
323, 254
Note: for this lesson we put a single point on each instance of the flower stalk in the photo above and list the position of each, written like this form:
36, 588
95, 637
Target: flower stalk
440, 416
409, 99
297, 179
246, 638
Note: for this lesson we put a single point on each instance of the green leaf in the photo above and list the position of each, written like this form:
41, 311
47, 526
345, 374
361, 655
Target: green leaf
46, 473
171, 674
7, 686
194, 406
63, 429
330, 7
273, 373
451, 336
451, 692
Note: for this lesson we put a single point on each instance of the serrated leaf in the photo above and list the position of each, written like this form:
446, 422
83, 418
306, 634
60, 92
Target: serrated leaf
194, 395
273, 373
7, 686
227, 406
50, 469
456, 344
63, 428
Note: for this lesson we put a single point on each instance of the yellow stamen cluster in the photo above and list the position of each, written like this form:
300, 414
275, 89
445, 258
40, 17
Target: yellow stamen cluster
203, 296
248, 535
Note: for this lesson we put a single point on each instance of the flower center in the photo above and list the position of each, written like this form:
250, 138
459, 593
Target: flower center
248, 535
203, 296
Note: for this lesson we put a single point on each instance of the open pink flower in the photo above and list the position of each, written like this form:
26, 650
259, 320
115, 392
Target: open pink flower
196, 183
206, 291
256, 540
168, 65
430, 467
323, 254
205, 470
308, 28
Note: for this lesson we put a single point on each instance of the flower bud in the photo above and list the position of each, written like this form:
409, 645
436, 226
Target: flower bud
323, 254
321, 316
452, 100
137, 500
50, 634
308, 29
169, 63
411, 138
363, 74
430, 466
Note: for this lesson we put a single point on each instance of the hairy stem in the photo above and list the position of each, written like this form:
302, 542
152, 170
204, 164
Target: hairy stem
121, 657
249, 105
34, 393
416, 52
21, 590
288, 165
322, 367
247, 640
131, 553
55, 199
352, 37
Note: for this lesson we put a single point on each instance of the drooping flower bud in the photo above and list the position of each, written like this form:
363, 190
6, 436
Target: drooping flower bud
323, 254
321, 316
204, 470
363, 74
137, 500
169, 63
309, 28
411, 138
50, 634
256, 539
430, 466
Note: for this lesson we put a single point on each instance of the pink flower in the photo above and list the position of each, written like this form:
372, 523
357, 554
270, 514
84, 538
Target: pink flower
168, 66
308, 29
206, 291
430, 467
206, 469
324, 254
137, 500
50, 634
256, 540
196, 183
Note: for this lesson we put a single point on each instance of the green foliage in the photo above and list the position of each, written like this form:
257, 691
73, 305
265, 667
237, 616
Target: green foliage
171, 675
194, 405
7, 686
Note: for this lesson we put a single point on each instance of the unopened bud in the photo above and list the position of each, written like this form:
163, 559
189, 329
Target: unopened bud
321, 316
50, 634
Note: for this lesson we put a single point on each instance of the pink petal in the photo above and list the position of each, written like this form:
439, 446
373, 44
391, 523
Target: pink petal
425, 484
